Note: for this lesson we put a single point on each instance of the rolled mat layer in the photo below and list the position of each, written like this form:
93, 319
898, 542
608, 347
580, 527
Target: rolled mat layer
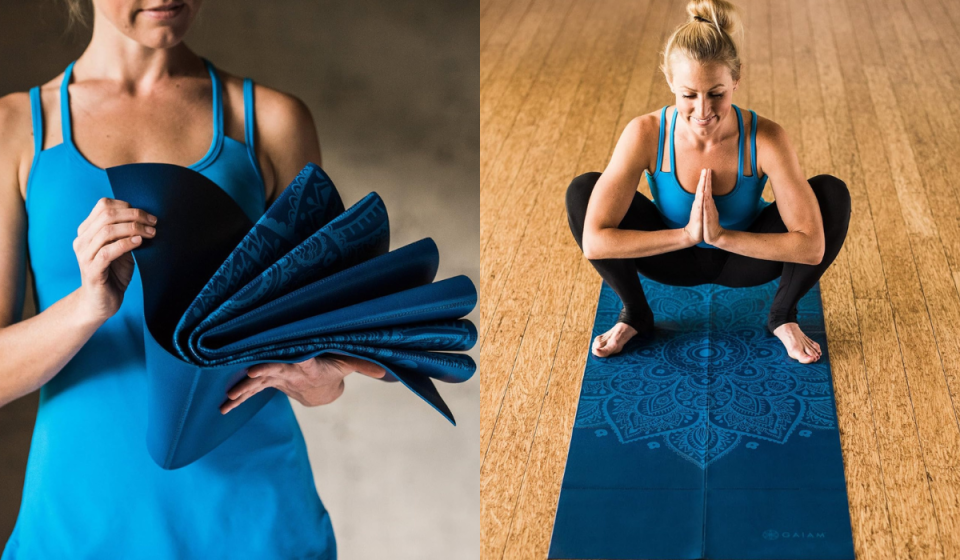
705, 440
309, 278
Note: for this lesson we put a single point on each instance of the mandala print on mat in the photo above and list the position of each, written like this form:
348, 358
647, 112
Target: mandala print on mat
710, 377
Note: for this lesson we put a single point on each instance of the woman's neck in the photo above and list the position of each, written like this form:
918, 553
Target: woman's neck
113, 56
725, 130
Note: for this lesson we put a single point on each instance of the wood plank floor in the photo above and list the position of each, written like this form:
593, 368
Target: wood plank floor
867, 91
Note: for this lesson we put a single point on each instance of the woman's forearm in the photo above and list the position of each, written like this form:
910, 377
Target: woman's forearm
792, 246
37, 349
614, 243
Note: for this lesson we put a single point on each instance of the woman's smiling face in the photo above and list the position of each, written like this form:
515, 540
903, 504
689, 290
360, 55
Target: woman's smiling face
704, 93
157, 24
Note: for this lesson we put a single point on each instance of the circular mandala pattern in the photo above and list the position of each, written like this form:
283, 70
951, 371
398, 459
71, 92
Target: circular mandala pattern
719, 353
711, 377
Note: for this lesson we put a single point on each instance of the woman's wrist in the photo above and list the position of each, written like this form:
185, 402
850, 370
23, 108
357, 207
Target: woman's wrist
685, 240
82, 314
720, 240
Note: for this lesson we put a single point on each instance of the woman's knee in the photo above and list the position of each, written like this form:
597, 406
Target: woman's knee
578, 193
834, 199
831, 192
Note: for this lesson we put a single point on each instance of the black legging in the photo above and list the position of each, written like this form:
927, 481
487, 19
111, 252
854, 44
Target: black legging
697, 265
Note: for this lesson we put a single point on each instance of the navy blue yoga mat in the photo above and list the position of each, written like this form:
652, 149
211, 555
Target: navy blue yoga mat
706, 441
310, 277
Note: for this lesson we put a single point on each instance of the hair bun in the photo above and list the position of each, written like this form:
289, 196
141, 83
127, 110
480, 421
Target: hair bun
714, 33
721, 13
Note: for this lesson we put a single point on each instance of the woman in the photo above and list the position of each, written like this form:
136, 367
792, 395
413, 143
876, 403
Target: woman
137, 94
722, 232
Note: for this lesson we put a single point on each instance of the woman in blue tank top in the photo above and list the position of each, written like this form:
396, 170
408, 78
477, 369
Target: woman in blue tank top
91, 490
707, 222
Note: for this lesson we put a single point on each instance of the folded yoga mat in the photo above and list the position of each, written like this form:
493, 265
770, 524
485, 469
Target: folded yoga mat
706, 441
221, 294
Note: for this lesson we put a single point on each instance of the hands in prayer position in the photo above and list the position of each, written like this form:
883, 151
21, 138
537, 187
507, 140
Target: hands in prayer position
704, 224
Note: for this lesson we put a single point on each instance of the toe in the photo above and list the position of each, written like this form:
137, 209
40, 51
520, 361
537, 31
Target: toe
597, 345
603, 348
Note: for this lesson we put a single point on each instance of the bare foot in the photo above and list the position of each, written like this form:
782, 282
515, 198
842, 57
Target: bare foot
799, 346
613, 341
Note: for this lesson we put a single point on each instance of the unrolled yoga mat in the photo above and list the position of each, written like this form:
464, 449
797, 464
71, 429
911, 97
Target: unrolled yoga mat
310, 277
706, 441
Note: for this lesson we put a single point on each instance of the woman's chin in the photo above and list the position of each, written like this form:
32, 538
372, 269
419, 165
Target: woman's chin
158, 38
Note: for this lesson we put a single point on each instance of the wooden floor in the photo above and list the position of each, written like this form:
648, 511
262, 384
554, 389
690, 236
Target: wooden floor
867, 91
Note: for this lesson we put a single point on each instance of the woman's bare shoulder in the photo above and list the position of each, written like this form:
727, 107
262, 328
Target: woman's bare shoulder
772, 142
769, 130
646, 124
643, 132
16, 131
16, 141
275, 109
286, 136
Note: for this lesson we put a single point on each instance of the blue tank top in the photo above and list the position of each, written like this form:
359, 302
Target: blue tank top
737, 209
91, 488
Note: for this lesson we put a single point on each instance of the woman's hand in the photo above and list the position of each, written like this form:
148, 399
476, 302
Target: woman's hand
314, 382
711, 217
694, 228
103, 244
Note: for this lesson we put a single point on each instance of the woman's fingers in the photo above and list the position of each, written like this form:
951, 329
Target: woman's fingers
361, 366
243, 390
111, 251
234, 403
698, 200
113, 232
242, 386
102, 207
111, 211
107, 216
708, 202
313, 382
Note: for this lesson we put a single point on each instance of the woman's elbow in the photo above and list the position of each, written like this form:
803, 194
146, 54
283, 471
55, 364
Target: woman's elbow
819, 249
590, 252
591, 248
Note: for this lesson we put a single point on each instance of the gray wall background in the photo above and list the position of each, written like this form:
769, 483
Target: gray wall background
394, 89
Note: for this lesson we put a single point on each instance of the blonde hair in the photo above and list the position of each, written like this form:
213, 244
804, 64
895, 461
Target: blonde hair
77, 12
713, 33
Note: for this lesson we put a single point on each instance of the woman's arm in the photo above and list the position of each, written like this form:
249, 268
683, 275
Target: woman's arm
36, 349
612, 195
804, 241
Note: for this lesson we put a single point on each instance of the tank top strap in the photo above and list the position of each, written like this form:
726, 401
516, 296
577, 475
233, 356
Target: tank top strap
663, 115
36, 115
65, 125
673, 155
741, 142
753, 141
249, 126
217, 101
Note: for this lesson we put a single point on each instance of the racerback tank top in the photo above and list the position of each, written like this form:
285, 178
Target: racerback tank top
91, 489
737, 209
